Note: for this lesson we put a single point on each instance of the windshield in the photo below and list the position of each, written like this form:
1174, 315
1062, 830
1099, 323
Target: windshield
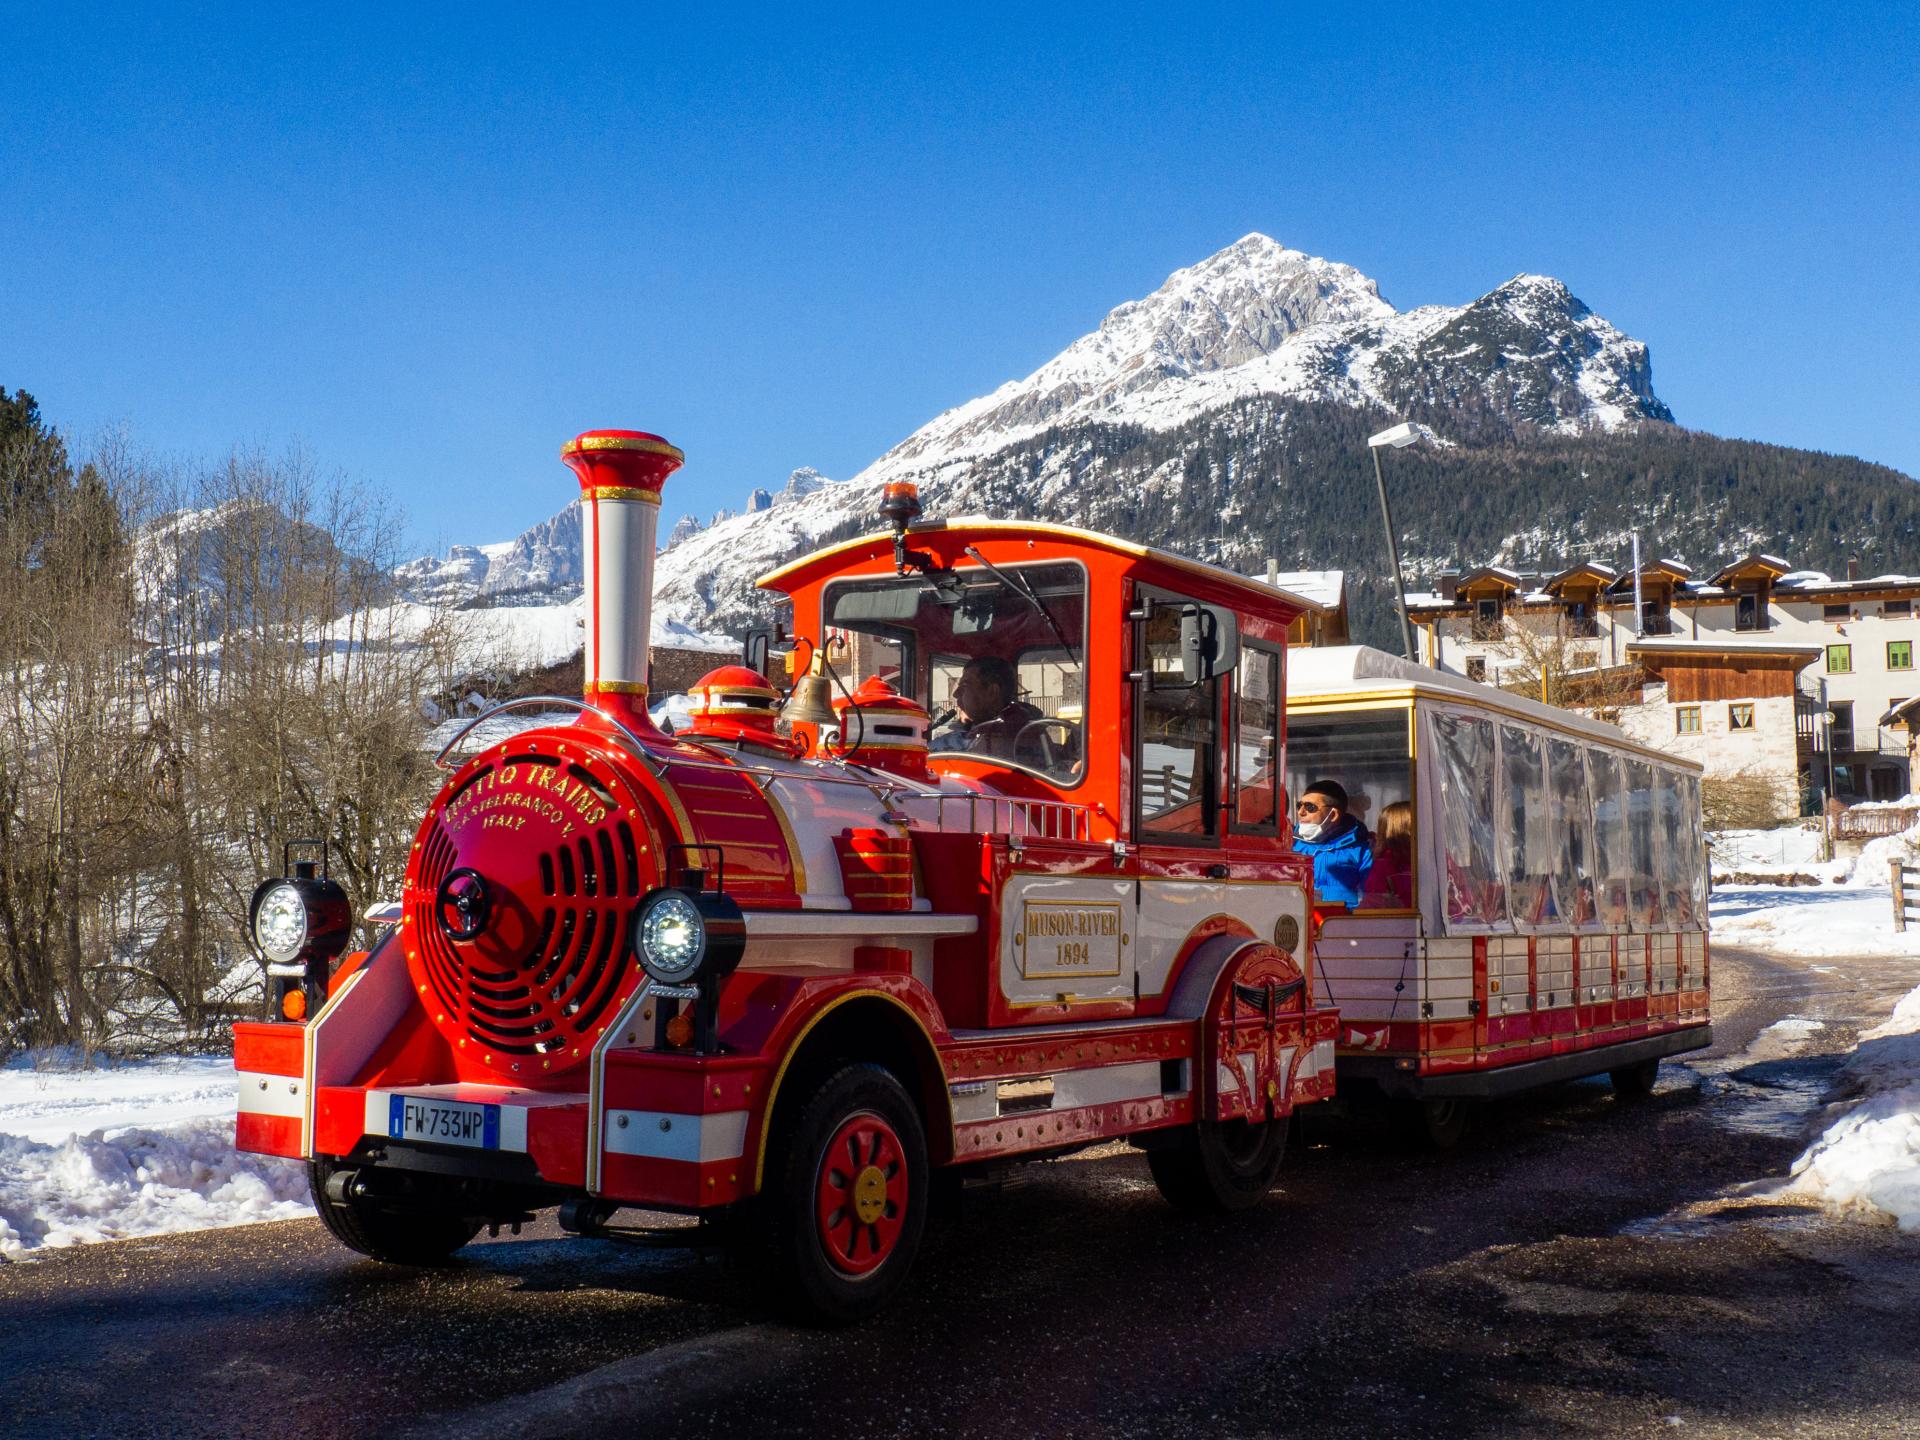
997, 653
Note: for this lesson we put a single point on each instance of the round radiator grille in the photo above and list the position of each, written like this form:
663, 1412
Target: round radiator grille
520, 890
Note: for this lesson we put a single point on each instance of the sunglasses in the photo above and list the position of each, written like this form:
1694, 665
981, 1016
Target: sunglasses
1310, 807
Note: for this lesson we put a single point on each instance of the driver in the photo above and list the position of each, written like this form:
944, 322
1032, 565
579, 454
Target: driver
988, 710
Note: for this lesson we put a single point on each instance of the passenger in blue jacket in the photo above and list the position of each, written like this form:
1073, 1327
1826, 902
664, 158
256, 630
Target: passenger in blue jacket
1342, 850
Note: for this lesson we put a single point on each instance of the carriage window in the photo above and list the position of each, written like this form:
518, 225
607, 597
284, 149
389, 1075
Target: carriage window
1645, 841
998, 656
1256, 738
1613, 871
1179, 743
1368, 754
1464, 755
1528, 852
1573, 833
1675, 847
1697, 847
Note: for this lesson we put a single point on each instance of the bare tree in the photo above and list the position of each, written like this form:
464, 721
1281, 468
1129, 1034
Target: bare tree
1550, 663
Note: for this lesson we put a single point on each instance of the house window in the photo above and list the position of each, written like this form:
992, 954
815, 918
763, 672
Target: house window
1486, 619
1900, 655
1900, 608
1842, 738
1839, 659
1654, 619
1750, 611
1836, 612
1740, 717
1476, 667
1580, 620
1686, 720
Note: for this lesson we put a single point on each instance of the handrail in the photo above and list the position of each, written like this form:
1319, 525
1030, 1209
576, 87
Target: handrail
523, 701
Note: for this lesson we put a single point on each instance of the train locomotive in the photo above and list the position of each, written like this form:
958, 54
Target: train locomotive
797, 966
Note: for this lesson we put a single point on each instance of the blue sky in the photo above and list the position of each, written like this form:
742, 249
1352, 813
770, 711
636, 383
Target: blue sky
430, 244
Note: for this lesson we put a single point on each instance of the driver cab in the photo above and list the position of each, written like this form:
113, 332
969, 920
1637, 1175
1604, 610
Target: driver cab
1134, 692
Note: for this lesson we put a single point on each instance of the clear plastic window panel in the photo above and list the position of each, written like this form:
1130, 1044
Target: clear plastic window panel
1528, 844
1645, 841
1612, 867
1473, 896
1573, 868
1369, 755
1697, 870
1674, 847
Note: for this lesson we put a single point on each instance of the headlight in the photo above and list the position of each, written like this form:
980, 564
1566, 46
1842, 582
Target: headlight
280, 923
671, 936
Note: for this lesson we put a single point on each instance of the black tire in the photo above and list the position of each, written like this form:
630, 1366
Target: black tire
1218, 1167
391, 1236
806, 1279
1432, 1124
1635, 1082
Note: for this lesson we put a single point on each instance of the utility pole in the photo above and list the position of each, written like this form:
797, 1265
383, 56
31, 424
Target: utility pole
1399, 437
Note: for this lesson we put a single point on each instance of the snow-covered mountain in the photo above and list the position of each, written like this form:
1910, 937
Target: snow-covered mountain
1257, 319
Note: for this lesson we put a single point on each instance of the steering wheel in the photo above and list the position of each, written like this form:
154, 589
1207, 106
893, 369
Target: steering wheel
1054, 754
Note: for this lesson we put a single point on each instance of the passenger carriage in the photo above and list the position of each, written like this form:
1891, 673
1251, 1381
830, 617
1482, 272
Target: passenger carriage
1553, 923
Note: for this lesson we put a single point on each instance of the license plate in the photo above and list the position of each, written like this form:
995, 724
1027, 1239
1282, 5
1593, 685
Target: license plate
443, 1122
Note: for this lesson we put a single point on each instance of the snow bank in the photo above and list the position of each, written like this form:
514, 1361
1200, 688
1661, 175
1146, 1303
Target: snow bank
1789, 847
1809, 920
1872, 867
1868, 1160
137, 1149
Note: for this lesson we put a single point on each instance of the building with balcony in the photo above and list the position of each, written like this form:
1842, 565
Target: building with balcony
1736, 668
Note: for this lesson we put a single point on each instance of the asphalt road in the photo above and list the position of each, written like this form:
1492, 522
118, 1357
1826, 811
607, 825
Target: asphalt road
1577, 1267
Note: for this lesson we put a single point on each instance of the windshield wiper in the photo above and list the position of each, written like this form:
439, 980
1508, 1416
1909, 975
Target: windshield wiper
1025, 591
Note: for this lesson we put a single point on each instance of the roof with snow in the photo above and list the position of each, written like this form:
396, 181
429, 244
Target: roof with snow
1325, 588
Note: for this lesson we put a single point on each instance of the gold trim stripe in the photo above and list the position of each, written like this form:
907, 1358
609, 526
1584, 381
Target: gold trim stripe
619, 687
621, 492
793, 1048
588, 444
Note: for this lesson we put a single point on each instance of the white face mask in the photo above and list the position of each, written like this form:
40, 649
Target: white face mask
1309, 830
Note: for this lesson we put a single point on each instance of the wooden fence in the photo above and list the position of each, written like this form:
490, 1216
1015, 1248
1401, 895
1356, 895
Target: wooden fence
1906, 894
1873, 824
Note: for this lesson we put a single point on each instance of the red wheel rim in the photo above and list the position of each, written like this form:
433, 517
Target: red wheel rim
860, 1195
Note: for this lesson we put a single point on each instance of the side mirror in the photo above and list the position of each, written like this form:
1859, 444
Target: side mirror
758, 649
1199, 644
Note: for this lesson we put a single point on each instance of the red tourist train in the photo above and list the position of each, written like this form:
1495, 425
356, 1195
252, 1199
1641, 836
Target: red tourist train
802, 961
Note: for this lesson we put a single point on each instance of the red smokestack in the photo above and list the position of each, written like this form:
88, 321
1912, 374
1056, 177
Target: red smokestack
621, 474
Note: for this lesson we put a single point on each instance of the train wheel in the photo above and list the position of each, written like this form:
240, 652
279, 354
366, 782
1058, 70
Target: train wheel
392, 1236
846, 1198
1635, 1082
1219, 1167
1432, 1124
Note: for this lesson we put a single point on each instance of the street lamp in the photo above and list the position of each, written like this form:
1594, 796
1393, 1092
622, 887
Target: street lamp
1399, 437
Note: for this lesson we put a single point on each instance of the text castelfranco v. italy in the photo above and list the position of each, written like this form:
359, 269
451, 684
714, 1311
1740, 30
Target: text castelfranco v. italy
545, 792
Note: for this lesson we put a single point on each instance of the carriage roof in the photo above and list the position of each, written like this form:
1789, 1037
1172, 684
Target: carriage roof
1252, 594
1324, 676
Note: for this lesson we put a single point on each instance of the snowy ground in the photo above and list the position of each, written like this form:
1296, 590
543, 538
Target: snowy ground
1809, 920
137, 1149
1868, 1160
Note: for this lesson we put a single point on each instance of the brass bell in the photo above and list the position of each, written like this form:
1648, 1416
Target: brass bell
811, 702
